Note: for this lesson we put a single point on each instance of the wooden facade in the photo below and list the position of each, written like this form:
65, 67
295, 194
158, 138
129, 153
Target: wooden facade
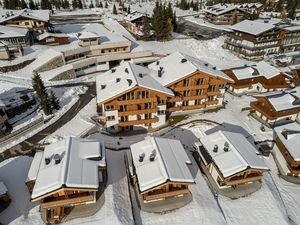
254, 47
53, 40
54, 203
267, 112
243, 177
3, 120
259, 82
292, 164
138, 106
227, 18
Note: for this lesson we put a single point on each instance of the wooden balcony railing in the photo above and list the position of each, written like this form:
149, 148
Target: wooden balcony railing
203, 86
137, 112
166, 194
74, 200
137, 122
136, 101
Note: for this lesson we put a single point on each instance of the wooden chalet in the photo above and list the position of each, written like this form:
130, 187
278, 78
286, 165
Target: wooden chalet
261, 77
53, 39
88, 38
291, 40
253, 40
230, 159
224, 14
14, 36
277, 106
195, 83
36, 21
159, 169
129, 98
286, 151
69, 173
134, 23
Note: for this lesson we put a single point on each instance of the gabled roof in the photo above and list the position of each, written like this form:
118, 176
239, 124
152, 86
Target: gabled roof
87, 35
252, 27
35, 165
178, 65
134, 16
220, 9
46, 35
78, 166
283, 100
10, 32
169, 163
125, 77
240, 156
261, 69
39, 15
291, 141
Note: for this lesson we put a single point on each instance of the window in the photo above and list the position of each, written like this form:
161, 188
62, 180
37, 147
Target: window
109, 107
161, 112
185, 103
147, 105
187, 93
211, 88
199, 91
123, 108
110, 118
199, 81
161, 102
186, 83
198, 102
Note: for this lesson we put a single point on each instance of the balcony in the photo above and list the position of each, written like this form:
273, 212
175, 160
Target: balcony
251, 48
135, 101
137, 122
137, 112
213, 102
195, 87
264, 110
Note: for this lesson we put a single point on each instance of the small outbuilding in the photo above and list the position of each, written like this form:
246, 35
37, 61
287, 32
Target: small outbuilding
69, 173
229, 159
53, 39
160, 171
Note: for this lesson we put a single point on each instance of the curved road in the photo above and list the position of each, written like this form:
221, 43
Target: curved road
30, 144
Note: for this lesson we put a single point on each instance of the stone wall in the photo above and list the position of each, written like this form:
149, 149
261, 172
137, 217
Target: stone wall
51, 64
66, 75
15, 67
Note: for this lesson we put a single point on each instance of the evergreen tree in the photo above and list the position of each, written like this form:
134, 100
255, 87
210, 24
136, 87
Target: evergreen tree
106, 5
54, 101
101, 5
174, 21
66, 4
128, 9
80, 4
23, 4
74, 4
32, 5
114, 10
45, 4
146, 28
41, 91
91, 5
97, 3
6, 4
279, 6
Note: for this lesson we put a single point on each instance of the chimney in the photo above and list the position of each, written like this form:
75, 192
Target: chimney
47, 160
183, 60
126, 70
140, 75
113, 70
118, 80
141, 157
57, 158
206, 64
103, 86
215, 148
226, 146
157, 63
152, 155
159, 73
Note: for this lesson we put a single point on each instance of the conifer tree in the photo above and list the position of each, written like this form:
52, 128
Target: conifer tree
114, 10
23, 4
80, 5
106, 5
91, 5
146, 28
101, 5
54, 101
32, 5
74, 4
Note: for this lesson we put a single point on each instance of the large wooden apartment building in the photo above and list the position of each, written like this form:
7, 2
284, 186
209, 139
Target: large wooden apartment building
261, 77
277, 106
286, 150
195, 83
160, 170
66, 174
253, 40
224, 14
34, 20
230, 159
131, 96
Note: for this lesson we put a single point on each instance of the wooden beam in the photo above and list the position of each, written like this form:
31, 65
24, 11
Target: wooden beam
166, 195
70, 201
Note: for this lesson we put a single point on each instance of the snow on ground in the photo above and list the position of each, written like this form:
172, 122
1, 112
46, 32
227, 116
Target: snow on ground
13, 172
6, 86
78, 126
67, 96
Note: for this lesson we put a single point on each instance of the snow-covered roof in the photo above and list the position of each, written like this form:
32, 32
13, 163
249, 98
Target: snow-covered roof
125, 77
3, 189
78, 166
34, 167
46, 35
292, 28
291, 139
240, 156
169, 163
178, 65
220, 9
283, 100
252, 27
11, 32
271, 21
134, 16
261, 69
39, 15
87, 35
